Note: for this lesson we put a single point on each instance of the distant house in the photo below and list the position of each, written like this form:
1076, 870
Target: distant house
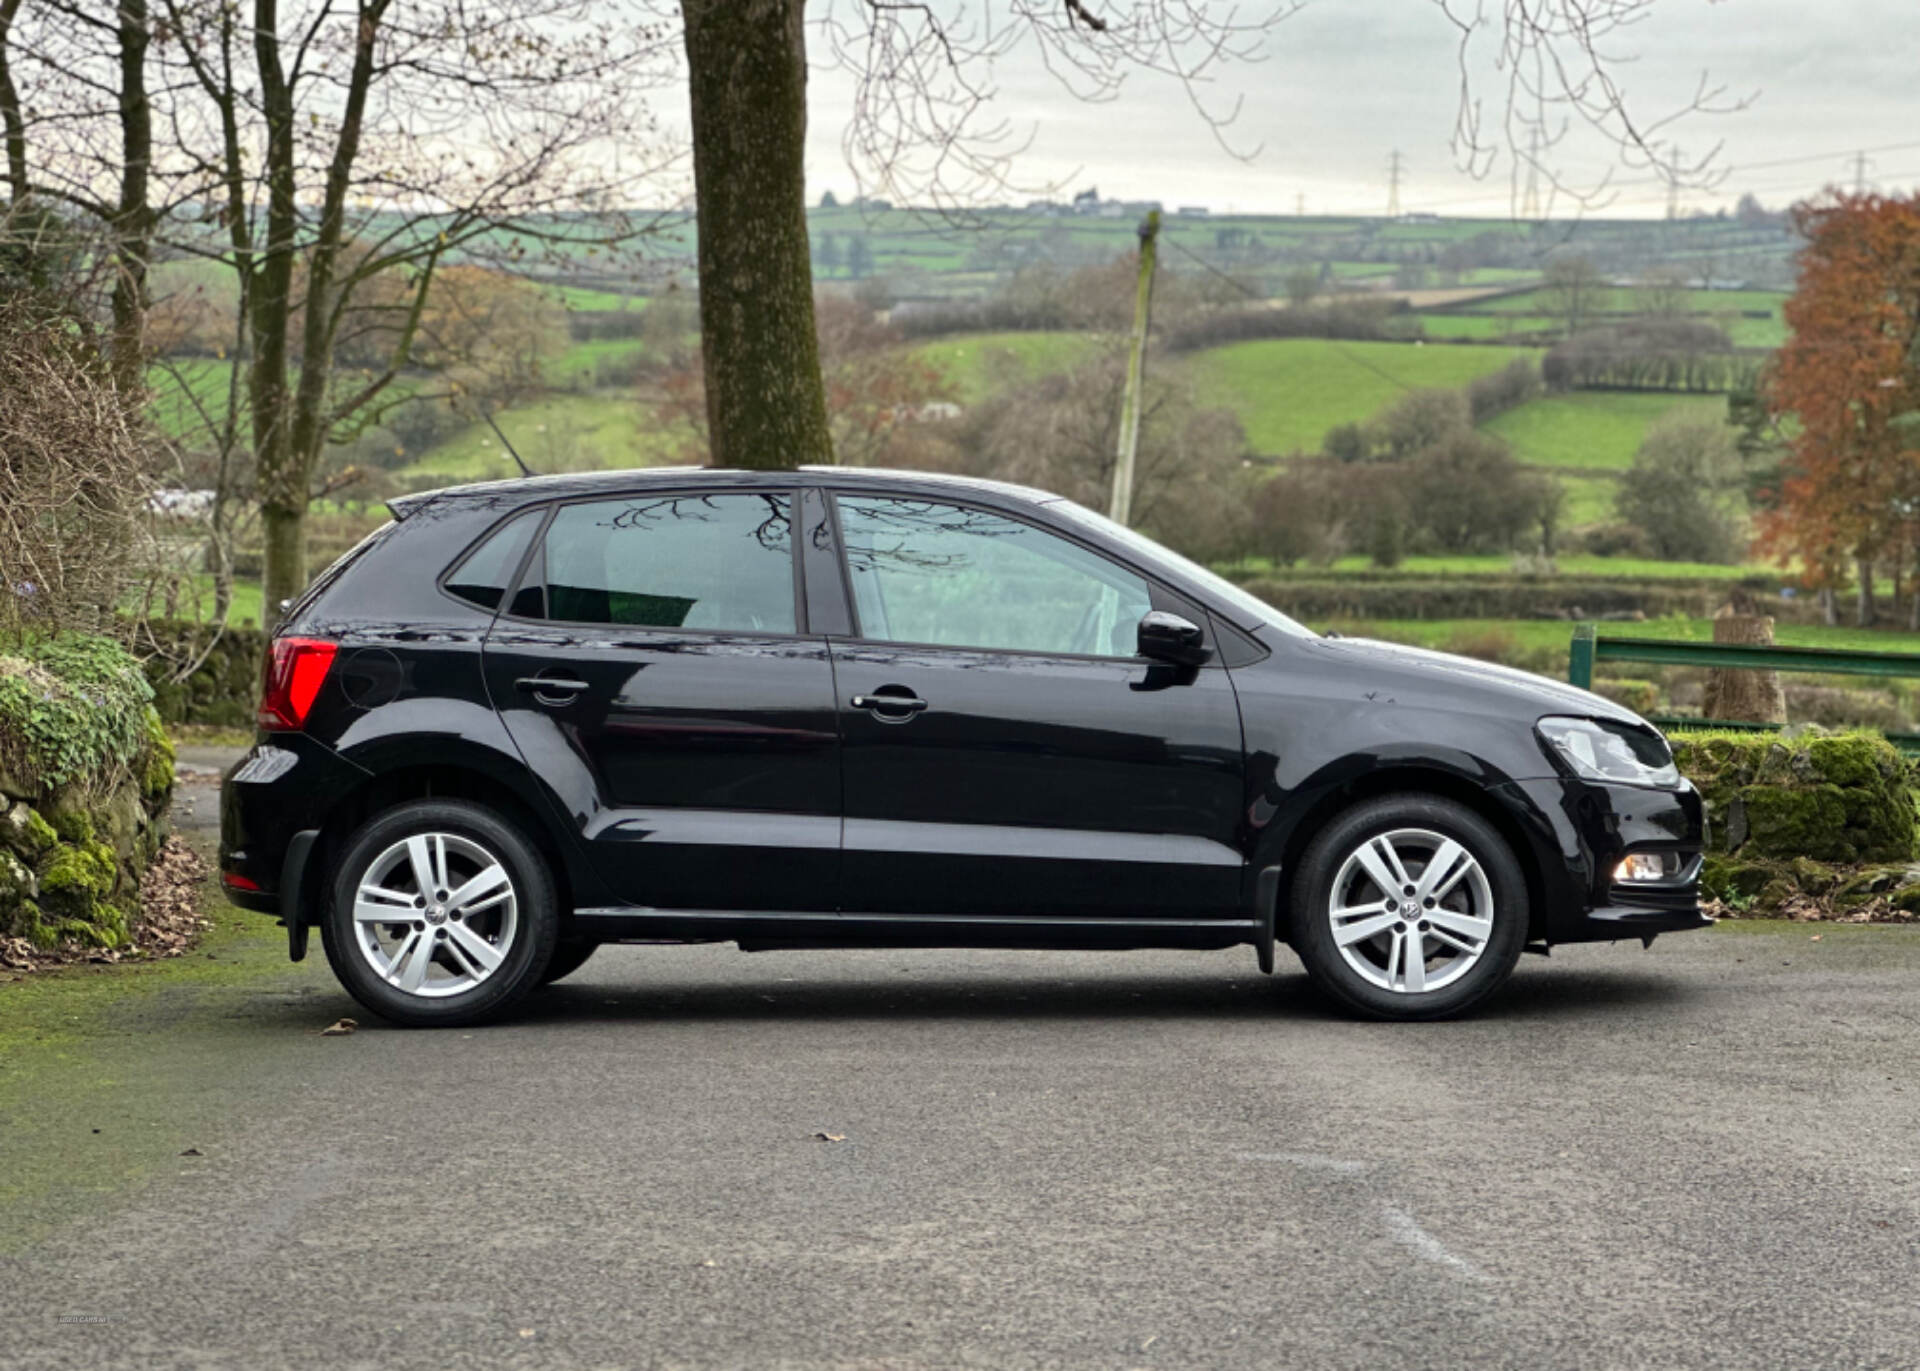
1193, 211
1087, 201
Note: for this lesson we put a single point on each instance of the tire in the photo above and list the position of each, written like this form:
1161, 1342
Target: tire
440, 963
568, 958
1444, 945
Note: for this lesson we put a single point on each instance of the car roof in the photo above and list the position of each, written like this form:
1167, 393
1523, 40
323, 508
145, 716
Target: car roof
586, 483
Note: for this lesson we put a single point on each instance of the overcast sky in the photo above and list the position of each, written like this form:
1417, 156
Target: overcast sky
1346, 82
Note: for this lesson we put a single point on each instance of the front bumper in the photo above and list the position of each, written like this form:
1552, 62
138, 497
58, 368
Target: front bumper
1581, 830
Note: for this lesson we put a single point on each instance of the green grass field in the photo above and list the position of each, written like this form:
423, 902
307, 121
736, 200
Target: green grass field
1728, 308
1289, 391
578, 363
1477, 326
1594, 429
974, 362
585, 300
604, 431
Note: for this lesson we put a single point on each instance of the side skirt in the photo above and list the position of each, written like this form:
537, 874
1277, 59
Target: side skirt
757, 930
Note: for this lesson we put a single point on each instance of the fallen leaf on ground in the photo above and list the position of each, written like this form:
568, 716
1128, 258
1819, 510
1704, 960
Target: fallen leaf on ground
831, 1137
338, 1028
193, 1152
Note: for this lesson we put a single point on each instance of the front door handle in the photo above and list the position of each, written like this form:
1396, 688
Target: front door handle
560, 687
890, 704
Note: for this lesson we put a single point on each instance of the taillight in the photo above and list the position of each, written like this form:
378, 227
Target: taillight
291, 680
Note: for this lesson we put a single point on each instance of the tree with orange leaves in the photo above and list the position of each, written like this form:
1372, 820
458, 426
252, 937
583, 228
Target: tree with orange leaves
1848, 385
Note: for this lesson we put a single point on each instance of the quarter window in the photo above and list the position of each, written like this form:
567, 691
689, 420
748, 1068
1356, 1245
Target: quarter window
925, 572
488, 570
674, 561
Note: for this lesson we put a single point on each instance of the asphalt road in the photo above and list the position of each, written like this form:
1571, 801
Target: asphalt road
1700, 1156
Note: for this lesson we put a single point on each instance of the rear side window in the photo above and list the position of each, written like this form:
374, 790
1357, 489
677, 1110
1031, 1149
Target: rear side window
485, 573
720, 562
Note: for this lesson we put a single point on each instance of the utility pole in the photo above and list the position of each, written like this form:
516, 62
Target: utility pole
1530, 204
1300, 205
1673, 184
1860, 164
1121, 511
1394, 166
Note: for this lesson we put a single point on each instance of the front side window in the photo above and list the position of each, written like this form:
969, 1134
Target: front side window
722, 562
925, 572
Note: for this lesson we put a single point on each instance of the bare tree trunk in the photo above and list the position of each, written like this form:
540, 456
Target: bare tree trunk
747, 76
12, 125
132, 216
1829, 607
1739, 692
1863, 603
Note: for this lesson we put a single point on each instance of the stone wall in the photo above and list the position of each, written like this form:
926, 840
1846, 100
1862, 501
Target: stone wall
86, 772
224, 688
1841, 798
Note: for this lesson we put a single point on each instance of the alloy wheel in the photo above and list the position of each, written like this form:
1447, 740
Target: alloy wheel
435, 914
1411, 910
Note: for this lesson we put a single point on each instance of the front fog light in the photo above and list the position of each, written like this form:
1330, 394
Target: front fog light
1648, 866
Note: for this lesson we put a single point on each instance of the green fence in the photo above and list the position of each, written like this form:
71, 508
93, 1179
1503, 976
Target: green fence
1588, 648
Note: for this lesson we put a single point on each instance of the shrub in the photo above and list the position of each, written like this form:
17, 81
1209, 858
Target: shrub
72, 707
1347, 443
1685, 491
1467, 494
1508, 388
1618, 540
1420, 420
72, 472
1297, 516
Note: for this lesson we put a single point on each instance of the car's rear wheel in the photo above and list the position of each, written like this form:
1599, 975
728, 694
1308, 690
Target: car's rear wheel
1409, 907
442, 914
568, 958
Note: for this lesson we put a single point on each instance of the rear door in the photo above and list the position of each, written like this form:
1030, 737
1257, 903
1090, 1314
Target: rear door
656, 671
1005, 752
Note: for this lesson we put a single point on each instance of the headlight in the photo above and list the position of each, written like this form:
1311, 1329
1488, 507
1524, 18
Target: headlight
1607, 752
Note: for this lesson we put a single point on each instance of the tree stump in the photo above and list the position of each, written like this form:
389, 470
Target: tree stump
1740, 692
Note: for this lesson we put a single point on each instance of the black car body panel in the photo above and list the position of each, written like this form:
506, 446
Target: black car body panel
807, 786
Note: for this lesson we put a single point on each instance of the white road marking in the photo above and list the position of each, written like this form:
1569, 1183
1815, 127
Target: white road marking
1410, 1235
1308, 1161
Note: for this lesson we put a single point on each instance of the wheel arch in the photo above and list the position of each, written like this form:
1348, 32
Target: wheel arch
1410, 779
427, 781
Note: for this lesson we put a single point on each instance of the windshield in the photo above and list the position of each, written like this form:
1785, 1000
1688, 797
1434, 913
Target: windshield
1249, 610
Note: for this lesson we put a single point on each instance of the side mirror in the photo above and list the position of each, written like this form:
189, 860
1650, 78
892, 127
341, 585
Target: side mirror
1165, 637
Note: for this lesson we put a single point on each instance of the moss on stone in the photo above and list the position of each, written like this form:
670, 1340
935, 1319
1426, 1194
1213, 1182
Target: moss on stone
156, 764
1851, 760
73, 825
39, 832
1830, 797
1730, 878
1784, 822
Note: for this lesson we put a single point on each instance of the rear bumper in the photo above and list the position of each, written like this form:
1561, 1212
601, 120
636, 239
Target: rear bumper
271, 803
1581, 831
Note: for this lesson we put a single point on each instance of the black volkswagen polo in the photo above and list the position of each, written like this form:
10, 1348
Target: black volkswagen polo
839, 708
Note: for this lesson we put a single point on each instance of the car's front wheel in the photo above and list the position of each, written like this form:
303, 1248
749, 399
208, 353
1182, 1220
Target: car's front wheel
442, 914
1409, 907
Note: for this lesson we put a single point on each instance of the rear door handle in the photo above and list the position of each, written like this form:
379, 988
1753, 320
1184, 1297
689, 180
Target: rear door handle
896, 704
551, 685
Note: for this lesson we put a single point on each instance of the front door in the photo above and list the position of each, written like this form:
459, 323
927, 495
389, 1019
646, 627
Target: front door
654, 672
1005, 752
